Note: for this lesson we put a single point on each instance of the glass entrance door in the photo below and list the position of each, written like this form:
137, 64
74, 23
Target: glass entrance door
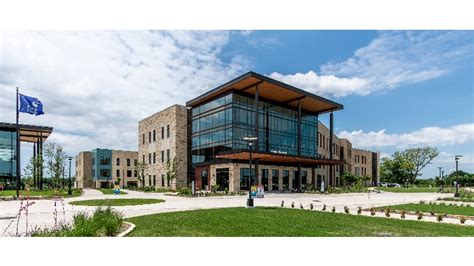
222, 179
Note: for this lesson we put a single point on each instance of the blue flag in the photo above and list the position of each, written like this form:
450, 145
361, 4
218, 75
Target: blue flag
30, 105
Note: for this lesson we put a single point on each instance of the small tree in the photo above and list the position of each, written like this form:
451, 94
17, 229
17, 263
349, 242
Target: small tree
32, 170
140, 168
55, 159
420, 158
171, 169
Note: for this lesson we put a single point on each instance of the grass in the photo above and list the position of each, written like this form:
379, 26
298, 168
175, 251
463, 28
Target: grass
103, 222
238, 222
409, 189
48, 193
110, 191
116, 202
457, 199
456, 210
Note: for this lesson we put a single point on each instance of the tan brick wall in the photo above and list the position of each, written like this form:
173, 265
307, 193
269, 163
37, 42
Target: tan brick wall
176, 143
123, 168
83, 163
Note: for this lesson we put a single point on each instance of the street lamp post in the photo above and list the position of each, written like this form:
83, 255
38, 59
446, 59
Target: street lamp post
456, 158
69, 191
250, 141
441, 177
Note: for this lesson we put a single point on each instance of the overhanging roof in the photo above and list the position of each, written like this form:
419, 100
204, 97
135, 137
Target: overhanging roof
273, 90
28, 133
276, 158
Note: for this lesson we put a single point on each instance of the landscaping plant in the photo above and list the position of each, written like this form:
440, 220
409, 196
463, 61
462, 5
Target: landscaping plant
333, 209
462, 219
359, 210
324, 207
346, 209
420, 216
439, 217
402, 214
372, 211
387, 212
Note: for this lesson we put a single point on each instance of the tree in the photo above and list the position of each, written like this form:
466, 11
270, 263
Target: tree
55, 159
171, 168
397, 170
140, 168
32, 170
420, 157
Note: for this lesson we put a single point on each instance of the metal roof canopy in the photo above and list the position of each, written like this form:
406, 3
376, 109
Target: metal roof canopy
273, 90
276, 158
28, 133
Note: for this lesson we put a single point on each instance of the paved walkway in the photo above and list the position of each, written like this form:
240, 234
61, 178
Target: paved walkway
41, 213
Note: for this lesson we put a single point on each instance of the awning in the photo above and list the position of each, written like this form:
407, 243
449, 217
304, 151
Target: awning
28, 133
268, 157
271, 89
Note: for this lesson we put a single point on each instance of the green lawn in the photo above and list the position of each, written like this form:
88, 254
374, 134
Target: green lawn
457, 210
44, 193
409, 189
116, 202
284, 222
109, 191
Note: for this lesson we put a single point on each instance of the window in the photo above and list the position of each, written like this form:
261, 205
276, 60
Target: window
275, 181
149, 180
154, 158
162, 180
149, 136
143, 138
128, 162
162, 156
162, 132
129, 173
167, 131
167, 155
154, 135
154, 180
135, 162
149, 158
244, 178
135, 173
143, 158
118, 173
118, 161
286, 179
304, 177
104, 161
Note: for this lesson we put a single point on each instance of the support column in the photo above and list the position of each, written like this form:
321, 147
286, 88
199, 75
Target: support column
40, 176
298, 178
34, 166
257, 148
331, 132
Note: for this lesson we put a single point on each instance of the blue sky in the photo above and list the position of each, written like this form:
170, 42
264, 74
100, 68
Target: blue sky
400, 89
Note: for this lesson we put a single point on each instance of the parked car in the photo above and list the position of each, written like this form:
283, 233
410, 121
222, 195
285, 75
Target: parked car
393, 185
383, 184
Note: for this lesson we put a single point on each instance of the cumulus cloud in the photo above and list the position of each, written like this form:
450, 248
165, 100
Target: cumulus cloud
392, 59
324, 85
97, 85
433, 136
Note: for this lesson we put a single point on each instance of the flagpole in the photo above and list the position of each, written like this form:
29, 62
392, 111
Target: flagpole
17, 148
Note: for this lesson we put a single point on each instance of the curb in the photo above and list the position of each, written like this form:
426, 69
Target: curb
130, 228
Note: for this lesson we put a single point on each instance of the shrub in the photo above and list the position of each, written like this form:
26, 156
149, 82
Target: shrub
359, 210
311, 206
346, 209
439, 217
324, 207
292, 205
282, 203
402, 214
333, 208
422, 202
442, 203
387, 212
420, 216
372, 211
462, 219
103, 222
468, 205
301, 206
185, 191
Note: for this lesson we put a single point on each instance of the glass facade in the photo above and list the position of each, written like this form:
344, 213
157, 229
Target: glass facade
101, 164
7, 154
222, 124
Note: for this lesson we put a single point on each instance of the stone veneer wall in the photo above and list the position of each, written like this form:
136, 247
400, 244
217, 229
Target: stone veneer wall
83, 175
123, 168
174, 116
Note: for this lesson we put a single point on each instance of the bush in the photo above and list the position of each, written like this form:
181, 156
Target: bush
346, 209
420, 216
185, 191
372, 211
333, 209
439, 217
103, 222
402, 214
462, 219
324, 207
359, 210
387, 212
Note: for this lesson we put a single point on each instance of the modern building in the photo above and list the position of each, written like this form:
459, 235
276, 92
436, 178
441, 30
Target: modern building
36, 135
293, 148
102, 168
163, 148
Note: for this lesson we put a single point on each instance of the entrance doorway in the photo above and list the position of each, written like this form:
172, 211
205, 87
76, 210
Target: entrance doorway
222, 178
265, 179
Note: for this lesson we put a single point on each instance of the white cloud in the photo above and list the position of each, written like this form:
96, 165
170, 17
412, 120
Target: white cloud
97, 85
433, 136
392, 59
324, 85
